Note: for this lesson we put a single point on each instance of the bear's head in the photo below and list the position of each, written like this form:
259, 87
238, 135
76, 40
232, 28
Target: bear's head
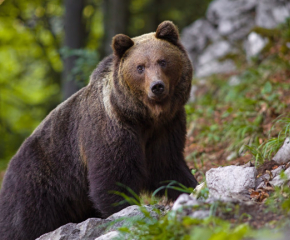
153, 71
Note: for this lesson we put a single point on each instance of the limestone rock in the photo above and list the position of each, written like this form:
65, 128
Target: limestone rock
227, 24
215, 67
96, 228
223, 182
283, 155
215, 51
225, 9
255, 44
184, 200
197, 36
277, 171
109, 236
233, 81
200, 214
234, 19
88, 230
209, 63
272, 12
278, 181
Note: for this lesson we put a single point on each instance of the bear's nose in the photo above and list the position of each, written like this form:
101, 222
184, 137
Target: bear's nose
157, 87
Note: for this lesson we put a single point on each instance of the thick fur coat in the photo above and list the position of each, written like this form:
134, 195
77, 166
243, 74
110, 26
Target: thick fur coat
127, 125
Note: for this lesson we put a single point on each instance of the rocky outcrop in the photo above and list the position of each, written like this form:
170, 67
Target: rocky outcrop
100, 229
226, 30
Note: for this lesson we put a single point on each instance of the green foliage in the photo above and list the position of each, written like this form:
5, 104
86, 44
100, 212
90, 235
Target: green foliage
234, 115
31, 65
84, 65
175, 226
267, 149
133, 199
30, 68
172, 185
279, 201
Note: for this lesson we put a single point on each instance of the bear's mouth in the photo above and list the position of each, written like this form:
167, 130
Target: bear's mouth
157, 99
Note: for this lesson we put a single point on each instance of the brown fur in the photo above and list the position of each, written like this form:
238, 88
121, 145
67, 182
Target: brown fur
116, 129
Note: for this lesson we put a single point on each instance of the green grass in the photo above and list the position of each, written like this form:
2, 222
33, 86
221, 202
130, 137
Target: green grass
236, 116
267, 149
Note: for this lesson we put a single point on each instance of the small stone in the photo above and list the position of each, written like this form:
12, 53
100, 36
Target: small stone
192, 96
184, 200
278, 181
283, 154
260, 181
255, 44
232, 156
223, 182
200, 214
132, 211
277, 171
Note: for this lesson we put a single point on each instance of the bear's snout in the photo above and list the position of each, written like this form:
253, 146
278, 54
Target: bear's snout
157, 88
158, 91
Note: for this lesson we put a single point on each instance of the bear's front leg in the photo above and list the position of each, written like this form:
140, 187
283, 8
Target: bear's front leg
165, 155
117, 159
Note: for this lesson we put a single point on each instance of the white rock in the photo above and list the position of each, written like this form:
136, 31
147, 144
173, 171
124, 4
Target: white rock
260, 183
280, 13
197, 36
89, 229
215, 51
109, 236
233, 81
93, 228
192, 96
277, 171
208, 62
234, 19
223, 182
184, 200
215, 67
236, 28
255, 44
132, 211
200, 214
283, 154
278, 181
270, 13
225, 9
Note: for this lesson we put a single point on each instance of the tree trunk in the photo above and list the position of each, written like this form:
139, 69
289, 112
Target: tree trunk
74, 39
116, 16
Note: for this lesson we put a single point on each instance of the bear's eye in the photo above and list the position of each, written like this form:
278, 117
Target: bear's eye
140, 68
162, 63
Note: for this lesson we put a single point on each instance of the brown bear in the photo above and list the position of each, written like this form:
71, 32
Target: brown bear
126, 126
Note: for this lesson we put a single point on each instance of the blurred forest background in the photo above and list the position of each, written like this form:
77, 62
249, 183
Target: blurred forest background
48, 50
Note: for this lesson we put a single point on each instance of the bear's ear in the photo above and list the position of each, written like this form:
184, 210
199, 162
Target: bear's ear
121, 43
167, 31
